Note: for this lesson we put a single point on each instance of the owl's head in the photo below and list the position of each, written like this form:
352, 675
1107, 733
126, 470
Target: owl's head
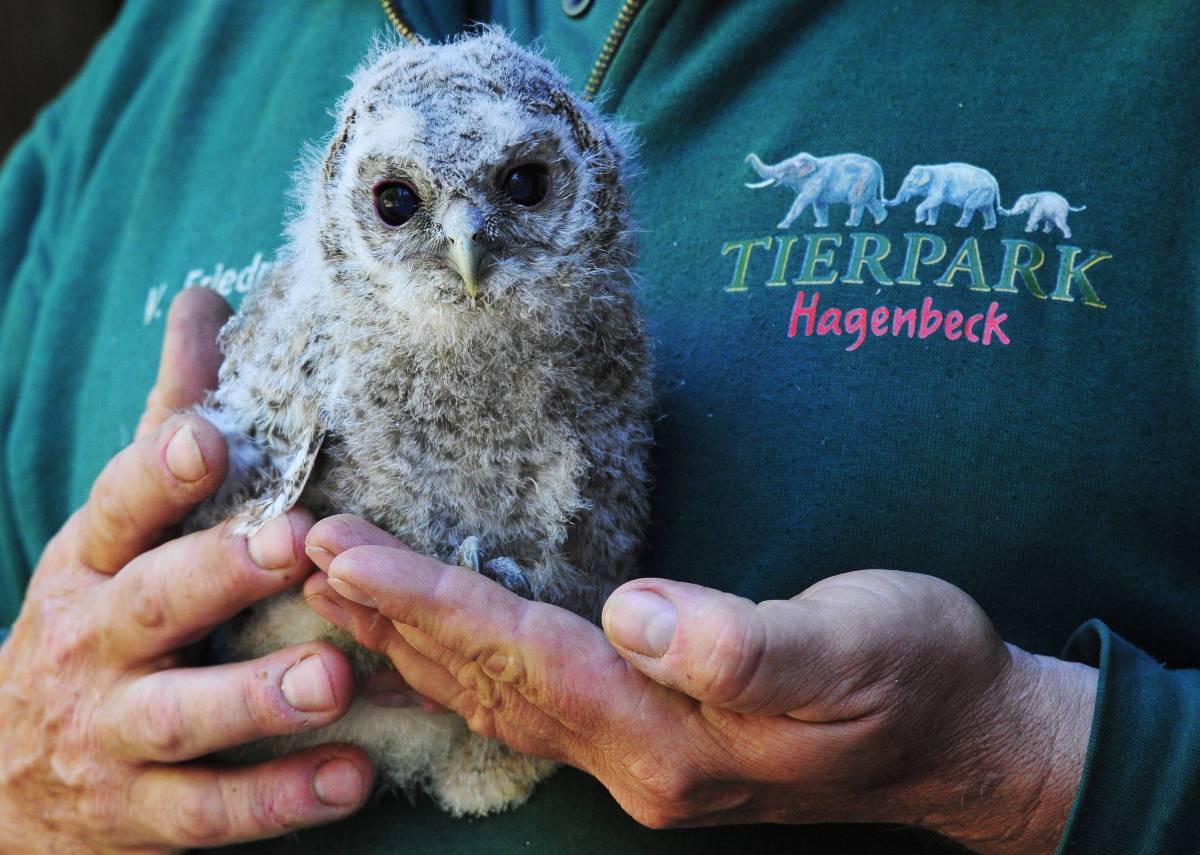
466, 176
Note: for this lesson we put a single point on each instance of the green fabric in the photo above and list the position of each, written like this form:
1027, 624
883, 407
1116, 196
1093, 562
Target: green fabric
1140, 788
1052, 477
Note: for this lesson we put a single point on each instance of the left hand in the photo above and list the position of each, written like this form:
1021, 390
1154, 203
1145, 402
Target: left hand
873, 696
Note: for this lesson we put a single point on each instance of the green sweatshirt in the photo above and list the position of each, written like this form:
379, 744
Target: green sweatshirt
1008, 402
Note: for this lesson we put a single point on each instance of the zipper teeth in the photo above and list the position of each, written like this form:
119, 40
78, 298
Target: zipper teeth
616, 35
398, 22
608, 50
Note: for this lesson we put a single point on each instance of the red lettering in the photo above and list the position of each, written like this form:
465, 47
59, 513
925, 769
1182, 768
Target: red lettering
900, 317
971, 322
879, 318
954, 319
991, 326
931, 319
922, 322
831, 322
856, 324
799, 310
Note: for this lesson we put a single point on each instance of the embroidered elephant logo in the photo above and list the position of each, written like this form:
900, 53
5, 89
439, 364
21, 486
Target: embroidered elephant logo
1046, 209
850, 179
968, 187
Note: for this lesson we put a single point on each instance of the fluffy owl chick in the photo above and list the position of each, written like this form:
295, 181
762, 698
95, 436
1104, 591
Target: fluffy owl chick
449, 348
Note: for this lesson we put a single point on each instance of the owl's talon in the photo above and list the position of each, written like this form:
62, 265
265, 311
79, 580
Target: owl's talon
506, 572
468, 553
502, 570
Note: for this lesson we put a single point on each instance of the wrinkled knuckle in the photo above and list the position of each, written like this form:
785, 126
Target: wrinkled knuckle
161, 727
661, 812
201, 819
730, 665
673, 790
504, 667
488, 693
110, 513
145, 605
70, 639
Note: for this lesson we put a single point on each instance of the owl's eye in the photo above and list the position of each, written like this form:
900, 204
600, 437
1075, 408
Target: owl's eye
396, 202
526, 184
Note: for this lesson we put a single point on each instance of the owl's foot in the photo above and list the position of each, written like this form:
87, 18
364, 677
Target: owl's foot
503, 570
508, 573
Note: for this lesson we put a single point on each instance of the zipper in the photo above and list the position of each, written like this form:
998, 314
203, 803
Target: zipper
401, 26
611, 45
595, 79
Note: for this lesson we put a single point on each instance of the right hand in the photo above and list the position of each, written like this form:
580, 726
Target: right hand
100, 710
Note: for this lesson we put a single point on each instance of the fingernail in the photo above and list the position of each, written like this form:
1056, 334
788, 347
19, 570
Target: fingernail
330, 610
307, 687
338, 783
183, 456
640, 621
352, 593
271, 546
319, 555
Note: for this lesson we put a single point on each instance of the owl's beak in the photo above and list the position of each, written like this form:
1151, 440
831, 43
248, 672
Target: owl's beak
465, 256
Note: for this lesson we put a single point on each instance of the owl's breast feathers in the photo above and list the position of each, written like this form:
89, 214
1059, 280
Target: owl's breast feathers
506, 431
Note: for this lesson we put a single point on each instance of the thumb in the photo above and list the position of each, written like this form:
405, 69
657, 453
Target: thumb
190, 355
771, 658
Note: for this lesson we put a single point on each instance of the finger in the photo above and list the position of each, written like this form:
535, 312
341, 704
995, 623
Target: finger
525, 698
431, 685
177, 593
146, 489
386, 688
184, 713
367, 625
523, 669
767, 659
462, 610
336, 534
193, 806
190, 356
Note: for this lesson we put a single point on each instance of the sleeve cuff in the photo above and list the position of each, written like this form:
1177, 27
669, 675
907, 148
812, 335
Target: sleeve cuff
1140, 789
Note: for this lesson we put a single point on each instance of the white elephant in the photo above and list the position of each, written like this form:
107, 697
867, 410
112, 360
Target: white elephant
850, 179
1045, 209
969, 187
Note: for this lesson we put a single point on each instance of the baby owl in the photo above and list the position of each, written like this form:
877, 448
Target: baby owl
449, 348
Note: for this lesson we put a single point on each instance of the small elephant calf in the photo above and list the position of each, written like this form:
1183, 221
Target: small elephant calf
1045, 209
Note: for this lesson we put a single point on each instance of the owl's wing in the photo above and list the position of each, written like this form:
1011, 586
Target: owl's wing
268, 405
283, 490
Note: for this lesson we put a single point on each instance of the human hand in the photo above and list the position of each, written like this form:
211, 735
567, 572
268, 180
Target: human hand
874, 696
99, 709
